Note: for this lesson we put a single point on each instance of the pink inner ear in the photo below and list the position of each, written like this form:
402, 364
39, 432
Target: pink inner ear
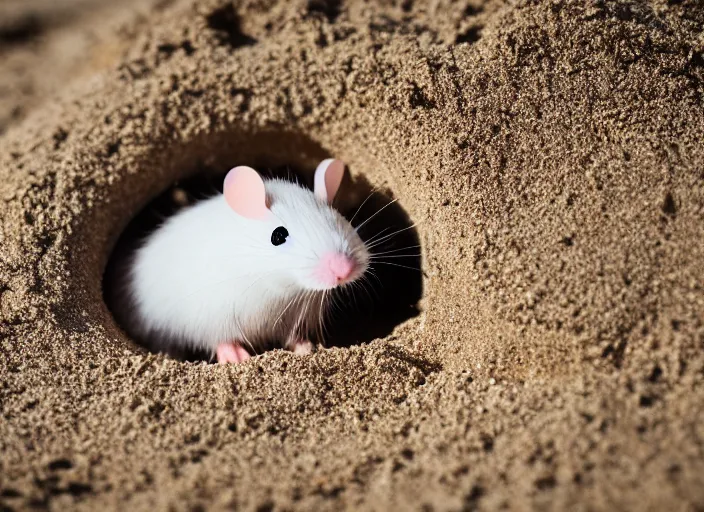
245, 194
328, 177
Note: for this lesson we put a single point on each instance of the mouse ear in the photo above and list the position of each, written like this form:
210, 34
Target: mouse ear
244, 192
328, 177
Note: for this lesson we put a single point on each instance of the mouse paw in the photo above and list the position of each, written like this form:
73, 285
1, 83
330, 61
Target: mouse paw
231, 353
302, 347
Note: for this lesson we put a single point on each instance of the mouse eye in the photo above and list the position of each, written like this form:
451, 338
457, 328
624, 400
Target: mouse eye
279, 235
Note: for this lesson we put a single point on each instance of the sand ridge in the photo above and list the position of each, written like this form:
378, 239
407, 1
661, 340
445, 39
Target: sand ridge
551, 154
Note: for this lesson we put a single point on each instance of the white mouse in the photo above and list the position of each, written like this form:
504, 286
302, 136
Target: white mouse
248, 267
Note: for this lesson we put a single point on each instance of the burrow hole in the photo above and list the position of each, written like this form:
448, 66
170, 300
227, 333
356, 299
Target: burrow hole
393, 285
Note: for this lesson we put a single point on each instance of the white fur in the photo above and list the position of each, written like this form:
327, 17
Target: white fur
209, 276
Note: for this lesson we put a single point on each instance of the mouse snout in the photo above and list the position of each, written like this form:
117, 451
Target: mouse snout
335, 269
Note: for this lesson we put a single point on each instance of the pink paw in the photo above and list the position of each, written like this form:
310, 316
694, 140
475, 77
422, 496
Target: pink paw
231, 353
302, 347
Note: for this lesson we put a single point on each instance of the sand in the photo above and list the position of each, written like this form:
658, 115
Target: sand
551, 154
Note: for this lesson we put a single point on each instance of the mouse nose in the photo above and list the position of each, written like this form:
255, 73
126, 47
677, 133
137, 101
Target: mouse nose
335, 268
341, 266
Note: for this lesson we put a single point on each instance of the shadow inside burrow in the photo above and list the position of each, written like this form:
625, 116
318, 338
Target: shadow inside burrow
386, 296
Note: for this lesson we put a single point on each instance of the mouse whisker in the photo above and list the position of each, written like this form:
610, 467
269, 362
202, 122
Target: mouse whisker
363, 203
323, 328
285, 309
297, 324
313, 308
309, 305
333, 305
374, 293
376, 236
351, 291
375, 214
358, 290
395, 250
246, 339
381, 258
386, 237
298, 299
371, 272
398, 265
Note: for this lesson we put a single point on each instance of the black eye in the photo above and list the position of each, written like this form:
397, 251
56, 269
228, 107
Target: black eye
279, 235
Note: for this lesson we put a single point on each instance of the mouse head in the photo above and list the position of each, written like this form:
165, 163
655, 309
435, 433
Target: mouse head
316, 245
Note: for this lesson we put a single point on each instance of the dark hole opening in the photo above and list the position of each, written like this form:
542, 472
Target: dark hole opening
391, 288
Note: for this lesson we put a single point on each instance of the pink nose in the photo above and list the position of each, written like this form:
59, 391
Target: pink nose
335, 268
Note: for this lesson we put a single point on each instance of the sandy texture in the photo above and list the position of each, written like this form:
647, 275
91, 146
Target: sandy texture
45, 44
552, 154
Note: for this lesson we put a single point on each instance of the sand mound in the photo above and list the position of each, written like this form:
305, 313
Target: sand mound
552, 155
